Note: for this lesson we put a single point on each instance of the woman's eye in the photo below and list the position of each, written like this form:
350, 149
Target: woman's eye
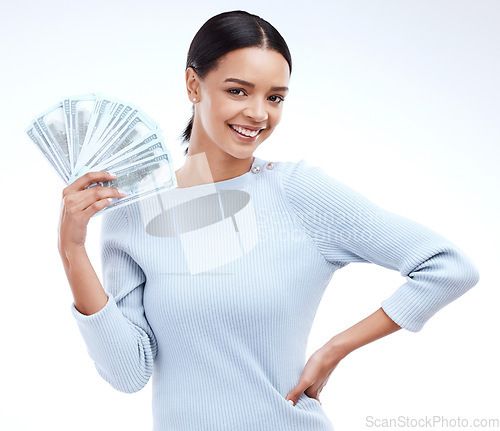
239, 92
280, 99
236, 90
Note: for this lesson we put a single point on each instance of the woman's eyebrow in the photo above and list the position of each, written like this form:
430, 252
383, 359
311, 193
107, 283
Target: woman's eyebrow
249, 84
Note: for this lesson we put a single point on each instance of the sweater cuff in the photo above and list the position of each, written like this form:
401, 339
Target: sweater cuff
403, 308
97, 328
89, 318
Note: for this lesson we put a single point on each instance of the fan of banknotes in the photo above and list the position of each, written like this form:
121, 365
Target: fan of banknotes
92, 132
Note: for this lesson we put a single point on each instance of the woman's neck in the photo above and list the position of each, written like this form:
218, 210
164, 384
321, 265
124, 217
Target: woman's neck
200, 168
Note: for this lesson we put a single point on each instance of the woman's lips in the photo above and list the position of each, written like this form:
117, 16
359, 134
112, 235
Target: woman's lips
243, 126
244, 137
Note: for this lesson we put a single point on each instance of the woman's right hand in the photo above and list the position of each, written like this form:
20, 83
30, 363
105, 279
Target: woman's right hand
79, 204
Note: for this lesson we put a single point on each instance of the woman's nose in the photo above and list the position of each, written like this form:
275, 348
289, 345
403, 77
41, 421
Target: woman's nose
256, 111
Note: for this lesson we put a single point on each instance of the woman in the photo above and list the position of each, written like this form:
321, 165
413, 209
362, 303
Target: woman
215, 289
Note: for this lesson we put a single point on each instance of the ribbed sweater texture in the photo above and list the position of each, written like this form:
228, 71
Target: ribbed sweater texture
213, 289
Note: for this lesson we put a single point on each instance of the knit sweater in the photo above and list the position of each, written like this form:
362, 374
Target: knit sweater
213, 289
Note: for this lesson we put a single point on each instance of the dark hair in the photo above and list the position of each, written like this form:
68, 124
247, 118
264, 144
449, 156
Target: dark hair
227, 32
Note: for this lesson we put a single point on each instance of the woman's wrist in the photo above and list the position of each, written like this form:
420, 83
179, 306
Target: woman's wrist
337, 348
375, 326
69, 250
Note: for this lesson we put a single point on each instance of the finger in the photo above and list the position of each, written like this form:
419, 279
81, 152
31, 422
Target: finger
96, 207
85, 198
314, 394
84, 181
294, 395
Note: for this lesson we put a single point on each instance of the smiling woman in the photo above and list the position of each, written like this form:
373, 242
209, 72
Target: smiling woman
230, 123
215, 285
232, 48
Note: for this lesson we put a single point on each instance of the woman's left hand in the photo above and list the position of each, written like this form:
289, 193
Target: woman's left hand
315, 374
322, 363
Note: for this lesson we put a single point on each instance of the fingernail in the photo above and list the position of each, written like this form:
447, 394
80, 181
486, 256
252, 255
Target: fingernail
110, 199
291, 402
122, 192
112, 174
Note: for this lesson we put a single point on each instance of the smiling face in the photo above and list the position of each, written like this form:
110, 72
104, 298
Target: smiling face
239, 104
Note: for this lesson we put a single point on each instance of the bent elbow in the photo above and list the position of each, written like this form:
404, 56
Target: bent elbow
471, 277
450, 270
132, 372
468, 272
128, 384
131, 387
461, 272
436, 282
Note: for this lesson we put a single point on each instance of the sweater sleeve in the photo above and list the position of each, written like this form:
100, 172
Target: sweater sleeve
118, 337
347, 227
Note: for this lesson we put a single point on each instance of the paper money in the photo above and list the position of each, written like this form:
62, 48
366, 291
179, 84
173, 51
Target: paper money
118, 138
140, 180
91, 132
46, 152
139, 152
78, 111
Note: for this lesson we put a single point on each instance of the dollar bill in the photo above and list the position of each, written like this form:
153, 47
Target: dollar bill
51, 149
46, 152
78, 111
156, 149
120, 117
92, 132
97, 118
52, 125
144, 149
67, 123
140, 180
138, 145
111, 116
120, 139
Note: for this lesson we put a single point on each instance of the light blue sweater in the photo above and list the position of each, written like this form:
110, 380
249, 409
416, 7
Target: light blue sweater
213, 290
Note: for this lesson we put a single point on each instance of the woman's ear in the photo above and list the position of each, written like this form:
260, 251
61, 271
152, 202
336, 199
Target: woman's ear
192, 84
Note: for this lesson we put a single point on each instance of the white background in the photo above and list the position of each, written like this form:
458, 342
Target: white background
398, 99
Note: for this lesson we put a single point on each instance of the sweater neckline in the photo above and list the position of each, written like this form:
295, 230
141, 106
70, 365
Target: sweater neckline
235, 182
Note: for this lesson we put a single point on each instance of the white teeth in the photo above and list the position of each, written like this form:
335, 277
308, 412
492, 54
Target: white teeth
246, 132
